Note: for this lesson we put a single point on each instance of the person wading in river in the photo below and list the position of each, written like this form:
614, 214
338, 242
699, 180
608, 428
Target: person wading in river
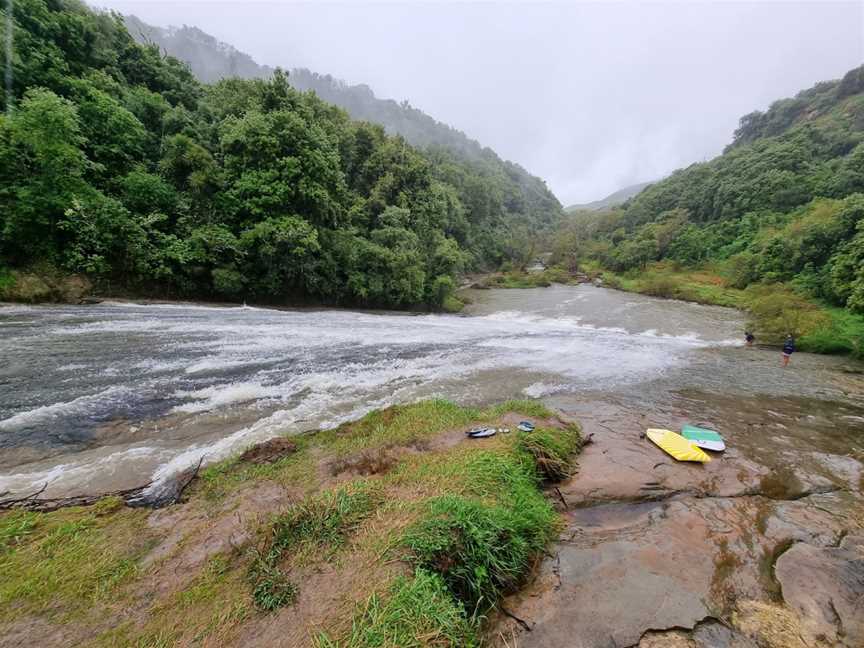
749, 337
788, 349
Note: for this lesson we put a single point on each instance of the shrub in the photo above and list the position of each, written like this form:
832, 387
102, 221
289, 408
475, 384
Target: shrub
659, 286
776, 311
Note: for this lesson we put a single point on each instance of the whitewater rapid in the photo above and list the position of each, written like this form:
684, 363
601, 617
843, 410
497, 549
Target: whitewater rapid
115, 395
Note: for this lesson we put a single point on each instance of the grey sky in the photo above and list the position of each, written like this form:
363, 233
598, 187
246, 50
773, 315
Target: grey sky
589, 96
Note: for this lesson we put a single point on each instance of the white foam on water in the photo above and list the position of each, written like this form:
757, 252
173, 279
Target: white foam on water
73, 366
540, 389
47, 413
211, 398
76, 473
218, 364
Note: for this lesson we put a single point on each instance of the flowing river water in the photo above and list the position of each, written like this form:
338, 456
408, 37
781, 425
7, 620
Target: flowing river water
110, 396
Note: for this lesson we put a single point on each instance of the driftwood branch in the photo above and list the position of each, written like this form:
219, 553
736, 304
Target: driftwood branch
561, 497
168, 492
12, 502
45, 505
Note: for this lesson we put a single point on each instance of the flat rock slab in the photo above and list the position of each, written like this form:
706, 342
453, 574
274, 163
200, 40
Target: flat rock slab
825, 586
654, 550
625, 569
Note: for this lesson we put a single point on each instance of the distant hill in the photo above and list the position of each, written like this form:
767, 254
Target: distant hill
211, 60
784, 203
612, 200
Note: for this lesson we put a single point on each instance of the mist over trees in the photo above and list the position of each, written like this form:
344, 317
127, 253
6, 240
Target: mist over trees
212, 60
118, 163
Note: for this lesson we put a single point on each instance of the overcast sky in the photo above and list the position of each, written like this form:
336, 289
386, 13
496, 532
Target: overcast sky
589, 96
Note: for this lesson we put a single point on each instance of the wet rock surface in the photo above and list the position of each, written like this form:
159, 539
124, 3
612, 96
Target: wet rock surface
825, 586
760, 547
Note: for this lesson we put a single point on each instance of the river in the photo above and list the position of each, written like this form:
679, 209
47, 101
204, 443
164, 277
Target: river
108, 396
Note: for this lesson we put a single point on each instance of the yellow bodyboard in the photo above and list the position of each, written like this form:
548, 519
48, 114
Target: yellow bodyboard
677, 446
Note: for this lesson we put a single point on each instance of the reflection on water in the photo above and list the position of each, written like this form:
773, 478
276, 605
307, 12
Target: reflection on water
95, 397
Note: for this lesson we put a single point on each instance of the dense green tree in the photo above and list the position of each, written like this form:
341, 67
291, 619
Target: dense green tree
117, 163
42, 167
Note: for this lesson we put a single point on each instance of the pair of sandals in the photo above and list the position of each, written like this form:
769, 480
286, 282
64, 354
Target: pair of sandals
486, 432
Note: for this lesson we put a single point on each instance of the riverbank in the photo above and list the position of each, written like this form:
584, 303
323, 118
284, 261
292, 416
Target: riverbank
773, 310
386, 531
50, 286
352, 527
397, 531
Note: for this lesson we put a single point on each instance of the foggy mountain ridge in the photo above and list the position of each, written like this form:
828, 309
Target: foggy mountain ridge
612, 200
212, 60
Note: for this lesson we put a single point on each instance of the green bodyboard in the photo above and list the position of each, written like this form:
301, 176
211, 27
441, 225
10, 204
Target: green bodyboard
699, 434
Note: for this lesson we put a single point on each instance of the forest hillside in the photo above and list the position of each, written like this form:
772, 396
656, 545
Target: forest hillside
117, 164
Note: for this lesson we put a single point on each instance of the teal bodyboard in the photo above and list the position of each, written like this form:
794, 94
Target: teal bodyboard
707, 439
699, 434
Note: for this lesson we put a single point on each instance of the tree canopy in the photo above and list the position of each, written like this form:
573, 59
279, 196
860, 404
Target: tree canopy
116, 162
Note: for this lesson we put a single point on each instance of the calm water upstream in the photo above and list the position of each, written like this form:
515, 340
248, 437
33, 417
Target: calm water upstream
102, 397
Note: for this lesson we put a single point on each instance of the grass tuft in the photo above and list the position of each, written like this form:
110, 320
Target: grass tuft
318, 527
484, 541
78, 555
321, 523
552, 450
271, 588
416, 612
481, 551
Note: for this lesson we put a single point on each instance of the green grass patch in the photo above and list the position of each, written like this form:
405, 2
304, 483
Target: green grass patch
208, 609
317, 528
397, 425
703, 286
322, 523
15, 526
529, 408
522, 279
481, 551
477, 531
67, 559
842, 334
483, 540
415, 613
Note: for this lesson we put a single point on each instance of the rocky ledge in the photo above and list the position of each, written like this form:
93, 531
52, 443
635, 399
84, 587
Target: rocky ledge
762, 547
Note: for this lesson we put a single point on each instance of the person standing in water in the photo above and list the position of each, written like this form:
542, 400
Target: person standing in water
749, 337
788, 349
